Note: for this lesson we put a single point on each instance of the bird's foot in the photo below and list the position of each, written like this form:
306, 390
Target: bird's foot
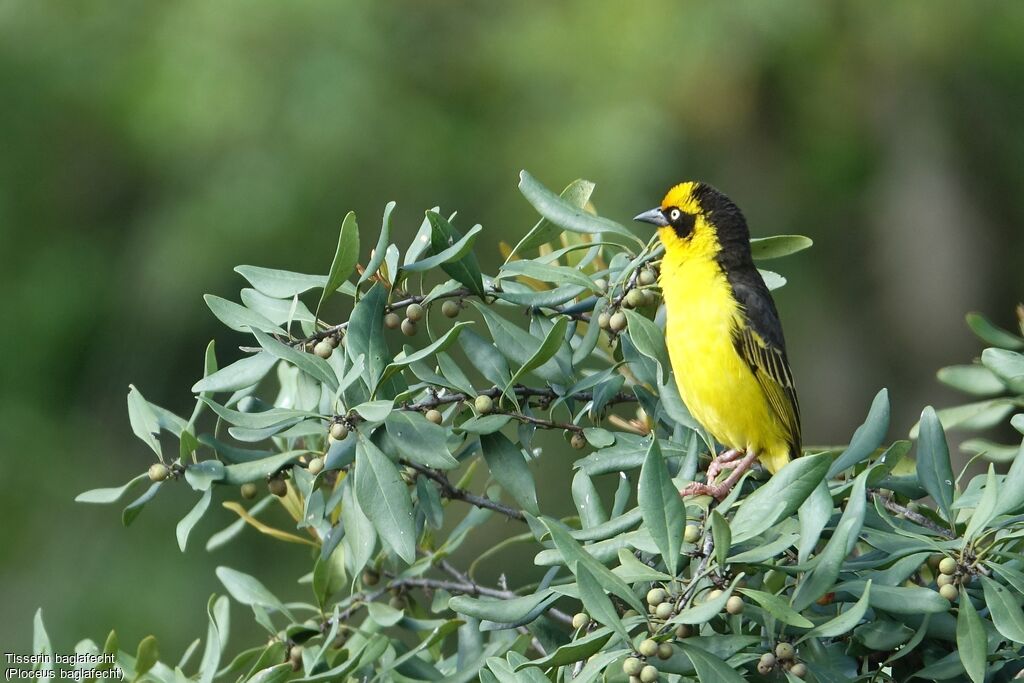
719, 462
720, 491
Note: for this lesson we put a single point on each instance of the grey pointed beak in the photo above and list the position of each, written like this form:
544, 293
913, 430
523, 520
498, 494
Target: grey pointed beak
654, 217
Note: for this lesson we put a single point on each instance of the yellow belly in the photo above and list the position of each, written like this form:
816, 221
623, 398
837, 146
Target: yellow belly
716, 384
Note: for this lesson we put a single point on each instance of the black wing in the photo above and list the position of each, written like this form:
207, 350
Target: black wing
761, 344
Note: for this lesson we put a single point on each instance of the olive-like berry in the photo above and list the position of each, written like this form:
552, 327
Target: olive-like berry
578, 441
484, 404
370, 578
648, 647
768, 659
630, 613
949, 592
944, 579
414, 312
947, 565
315, 466
450, 309
617, 323
248, 490
784, 651
664, 610
392, 321
434, 415
634, 299
933, 560
647, 277
601, 284
278, 486
656, 596
763, 669
339, 431
649, 674
691, 533
580, 620
323, 349
734, 605
714, 594
409, 327
665, 651
632, 666
397, 602
603, 321
650, 297
295, 657
158, 471
683, 631
799, 669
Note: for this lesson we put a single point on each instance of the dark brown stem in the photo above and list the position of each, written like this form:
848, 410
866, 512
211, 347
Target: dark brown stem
452, 492
915, 517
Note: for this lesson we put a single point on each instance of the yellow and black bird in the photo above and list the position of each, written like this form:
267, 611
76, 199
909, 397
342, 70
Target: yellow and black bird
723, 335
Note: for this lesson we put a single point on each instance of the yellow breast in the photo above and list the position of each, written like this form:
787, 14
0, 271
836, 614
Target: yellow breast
716, 384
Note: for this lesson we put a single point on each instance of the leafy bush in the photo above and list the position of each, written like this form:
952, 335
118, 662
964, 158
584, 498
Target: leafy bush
389, 453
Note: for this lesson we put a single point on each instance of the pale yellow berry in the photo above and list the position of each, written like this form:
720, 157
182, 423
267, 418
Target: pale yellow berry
315, 466
434, 415
323, 349
656, 596
947, 565
580, 620
392, 321
734, 605
484, 404
648, 647
617, 322
158, 472
949, 592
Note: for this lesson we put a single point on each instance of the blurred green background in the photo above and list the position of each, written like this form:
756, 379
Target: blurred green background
149, 147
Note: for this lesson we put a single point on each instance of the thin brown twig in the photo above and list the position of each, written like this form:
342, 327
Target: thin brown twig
917, 518
452, 492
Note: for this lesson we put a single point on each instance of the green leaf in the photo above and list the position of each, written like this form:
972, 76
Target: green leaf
257, 420
375, 411
1004, 609
385, 499
698, 614
519, 346
588, 501
143, 420
663, 511
1009, 365
564, 214
709, 667
491, 364
345, 258
360, 537
845, 621
971, 643
365, 336
508, 467
597, 603
238, 317
280, 284
146, 655
814, 514
381, 249
784, 493
133, 508
898, 599
573, 651
721, 536
218, 612
575, 555
868, 437
41, 646
312, 365
649, 340
993, 334
466, 269
778, 608
187, 522
452, 253
553, 341
576, 194
255, 470
504, 611
546, 272
933, 467
109, 495
764, 248
241, 374
419, 440
987, 506
976, 415
772, 280
438, 346
248, 590
972, 379
1012, 489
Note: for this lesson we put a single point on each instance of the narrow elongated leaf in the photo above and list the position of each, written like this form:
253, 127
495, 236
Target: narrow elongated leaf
971, 643
508, 467
588, 502
143, 420
663, 511
778, 608
814, 514
987, 506
576, 194
238, 317
109, 495
1009, 365
452, 253
844, 622
1005, 610
380, 250
546, 272
248, 590
465, 269
597, 603
419, 440
346, 255
934, 470
365, 336
360, 537
868, 437
217, 633
566, 215
991, 333
649, 340
510, 610
491, 364
312, 365
972, 379
438, 346
255, 470
241, 374
189, 521
385, 499
764, 248
784, 493
280, 284
553, 341
709, 667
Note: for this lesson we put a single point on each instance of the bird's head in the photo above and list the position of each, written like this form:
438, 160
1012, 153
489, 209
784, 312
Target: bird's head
696, 220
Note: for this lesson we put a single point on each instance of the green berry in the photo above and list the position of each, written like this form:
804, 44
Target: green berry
664, 610
278, 486
656, 596
949, 592
714, 594
691, 534
315, 466
601, 284
323, 349
248, 490
647, 277
944, 579
632, 666
768, 659
370, 578
603, 321
450, 309
665, 651
397, 602
947, 565
484, 404
683, 631
734, 605
617, 323
578, 441
763, 669
580, 620
339, 431
648, 648
784, 651
434, 415
392, 321
799, 670
414, 312
158, 472
649, 674
634, 299
409, 327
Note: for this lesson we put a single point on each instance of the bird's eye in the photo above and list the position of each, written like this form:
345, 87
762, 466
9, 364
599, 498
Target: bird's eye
673, 215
